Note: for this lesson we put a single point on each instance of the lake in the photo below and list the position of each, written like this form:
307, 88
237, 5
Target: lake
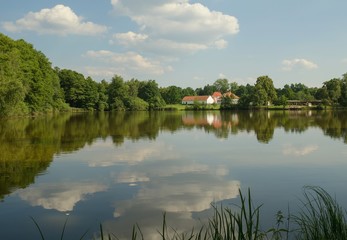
121, 169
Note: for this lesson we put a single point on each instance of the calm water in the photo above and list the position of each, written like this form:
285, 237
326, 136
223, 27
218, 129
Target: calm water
125, 168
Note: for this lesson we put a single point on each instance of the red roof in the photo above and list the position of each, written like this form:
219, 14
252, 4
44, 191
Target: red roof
217, 94
195, 98
231, 95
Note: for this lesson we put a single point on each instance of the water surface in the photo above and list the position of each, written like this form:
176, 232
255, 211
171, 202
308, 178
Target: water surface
119, 169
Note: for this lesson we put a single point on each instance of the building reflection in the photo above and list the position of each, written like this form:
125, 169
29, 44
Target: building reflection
213, 119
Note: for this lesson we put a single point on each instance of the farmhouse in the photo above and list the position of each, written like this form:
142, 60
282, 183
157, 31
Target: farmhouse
234, 98
217, 97
197, 99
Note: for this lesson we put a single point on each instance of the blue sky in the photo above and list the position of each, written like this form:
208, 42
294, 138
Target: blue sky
187, 43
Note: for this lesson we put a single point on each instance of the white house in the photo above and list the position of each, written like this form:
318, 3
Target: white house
197, 99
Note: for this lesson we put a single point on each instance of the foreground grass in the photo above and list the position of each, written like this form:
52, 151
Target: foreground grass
320, 218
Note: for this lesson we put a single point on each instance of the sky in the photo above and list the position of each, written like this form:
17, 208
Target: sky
187, 43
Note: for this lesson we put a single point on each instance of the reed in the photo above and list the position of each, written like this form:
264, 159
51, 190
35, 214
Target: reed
321, 217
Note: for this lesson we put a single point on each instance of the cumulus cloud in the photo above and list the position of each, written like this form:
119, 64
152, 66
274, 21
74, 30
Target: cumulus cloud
131, 62
59, 20
288, 65
222, 75
179, 24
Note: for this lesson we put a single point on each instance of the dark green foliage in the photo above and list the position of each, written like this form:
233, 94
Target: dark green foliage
333, 87
82, 92
188, 92
227, 103
172, 94
222, 85
265, 92
103, 97
27, 81
149, 92
135, 104
207, 90
117, 93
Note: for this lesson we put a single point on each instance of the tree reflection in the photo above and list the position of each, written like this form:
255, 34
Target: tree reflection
28, 145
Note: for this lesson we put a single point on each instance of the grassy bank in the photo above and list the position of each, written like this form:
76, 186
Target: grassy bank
320, 218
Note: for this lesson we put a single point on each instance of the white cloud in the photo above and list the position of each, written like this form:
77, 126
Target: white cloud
59, 20
295, 151
222, 76
142, 42
288, 65
221, 43
130, 62
169, 45
104, 72
129, 38
179, 24
344, 60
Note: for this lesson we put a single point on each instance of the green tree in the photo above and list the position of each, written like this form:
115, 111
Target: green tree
188, 92
333, 87
12, 91
207, 90
172, 94
78, 91
288, 92
133, 87
343, 97
264, 92
322, 93
245, 90
103, 97
117, 93
149, 92
91, 94
227, 103
28, 82
234, 87
221, 85
135, 104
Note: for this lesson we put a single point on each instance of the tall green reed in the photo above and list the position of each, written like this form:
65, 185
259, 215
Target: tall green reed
320, 217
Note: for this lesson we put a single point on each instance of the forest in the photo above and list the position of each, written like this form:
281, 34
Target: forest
29, 84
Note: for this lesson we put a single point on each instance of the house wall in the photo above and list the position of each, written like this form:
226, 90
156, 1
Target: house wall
187, 102
209, 100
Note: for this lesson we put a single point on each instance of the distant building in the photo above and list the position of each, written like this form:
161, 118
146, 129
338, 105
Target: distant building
197, 99
217, 97
234, 98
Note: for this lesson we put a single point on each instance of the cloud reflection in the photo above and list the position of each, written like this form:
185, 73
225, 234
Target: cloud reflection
184, 197
299, 151
59, 196
129, 154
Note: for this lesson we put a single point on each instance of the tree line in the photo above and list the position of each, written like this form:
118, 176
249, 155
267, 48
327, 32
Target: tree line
29, 84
